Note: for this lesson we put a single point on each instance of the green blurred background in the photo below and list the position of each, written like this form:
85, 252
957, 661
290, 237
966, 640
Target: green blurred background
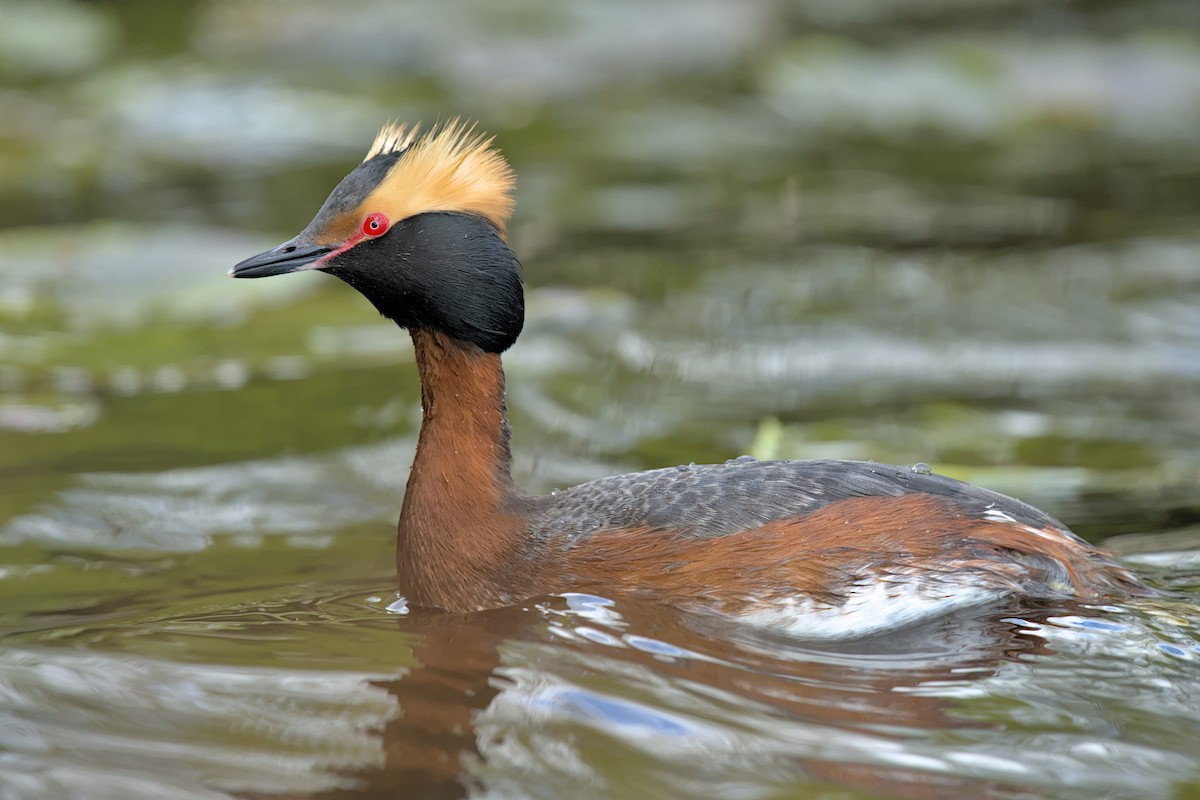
954, 232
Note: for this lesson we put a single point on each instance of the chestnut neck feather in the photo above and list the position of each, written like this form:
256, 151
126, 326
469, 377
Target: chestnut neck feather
460, 544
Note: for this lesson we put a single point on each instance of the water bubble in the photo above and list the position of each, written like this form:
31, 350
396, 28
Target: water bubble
921, 468
655, 646
598, 636
580, 601
742, 460
397, 606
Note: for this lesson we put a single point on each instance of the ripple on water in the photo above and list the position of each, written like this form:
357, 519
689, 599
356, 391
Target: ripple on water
676, 701
305, 498
745, 722
141, 727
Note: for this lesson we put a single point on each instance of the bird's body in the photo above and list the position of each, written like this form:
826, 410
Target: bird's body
815, 547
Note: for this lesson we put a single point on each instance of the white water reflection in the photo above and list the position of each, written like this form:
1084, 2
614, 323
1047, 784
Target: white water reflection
90, 725
306, 498
1033, 723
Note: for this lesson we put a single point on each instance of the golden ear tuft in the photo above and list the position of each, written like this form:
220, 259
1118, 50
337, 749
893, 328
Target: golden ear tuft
395, 137
452, 167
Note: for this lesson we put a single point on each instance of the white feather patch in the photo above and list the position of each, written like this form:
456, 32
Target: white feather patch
871, 606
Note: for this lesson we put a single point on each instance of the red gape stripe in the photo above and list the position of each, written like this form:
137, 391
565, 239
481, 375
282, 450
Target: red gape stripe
364, 232
353, 240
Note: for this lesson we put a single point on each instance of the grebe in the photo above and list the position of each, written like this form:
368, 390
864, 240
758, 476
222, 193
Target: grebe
813, 547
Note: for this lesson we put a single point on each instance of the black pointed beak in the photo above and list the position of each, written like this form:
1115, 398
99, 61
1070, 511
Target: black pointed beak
291, 256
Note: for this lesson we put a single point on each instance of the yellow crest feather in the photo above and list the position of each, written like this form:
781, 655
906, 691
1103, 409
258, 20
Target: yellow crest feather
453, 167
394, 137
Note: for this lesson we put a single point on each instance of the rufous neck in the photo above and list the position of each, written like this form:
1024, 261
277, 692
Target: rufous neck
455, 531
462, 409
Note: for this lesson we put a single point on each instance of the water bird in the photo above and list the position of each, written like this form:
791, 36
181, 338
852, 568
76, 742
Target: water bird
825, 548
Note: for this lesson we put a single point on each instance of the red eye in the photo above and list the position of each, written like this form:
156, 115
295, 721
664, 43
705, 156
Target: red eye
375, 224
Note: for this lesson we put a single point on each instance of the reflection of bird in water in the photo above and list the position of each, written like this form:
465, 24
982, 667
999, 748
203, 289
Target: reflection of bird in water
814, 547
513, 695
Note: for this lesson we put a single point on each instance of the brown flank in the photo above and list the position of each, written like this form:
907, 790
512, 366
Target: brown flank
823, 554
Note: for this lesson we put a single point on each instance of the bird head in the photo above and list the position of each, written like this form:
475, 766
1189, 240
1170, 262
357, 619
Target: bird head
418, 229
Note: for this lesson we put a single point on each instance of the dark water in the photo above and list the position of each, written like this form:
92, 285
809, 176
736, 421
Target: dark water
957, 233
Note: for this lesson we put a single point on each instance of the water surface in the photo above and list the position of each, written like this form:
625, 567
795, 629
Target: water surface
960, 234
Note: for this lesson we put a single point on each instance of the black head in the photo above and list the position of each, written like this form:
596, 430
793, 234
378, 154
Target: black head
445, 271
417, 228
